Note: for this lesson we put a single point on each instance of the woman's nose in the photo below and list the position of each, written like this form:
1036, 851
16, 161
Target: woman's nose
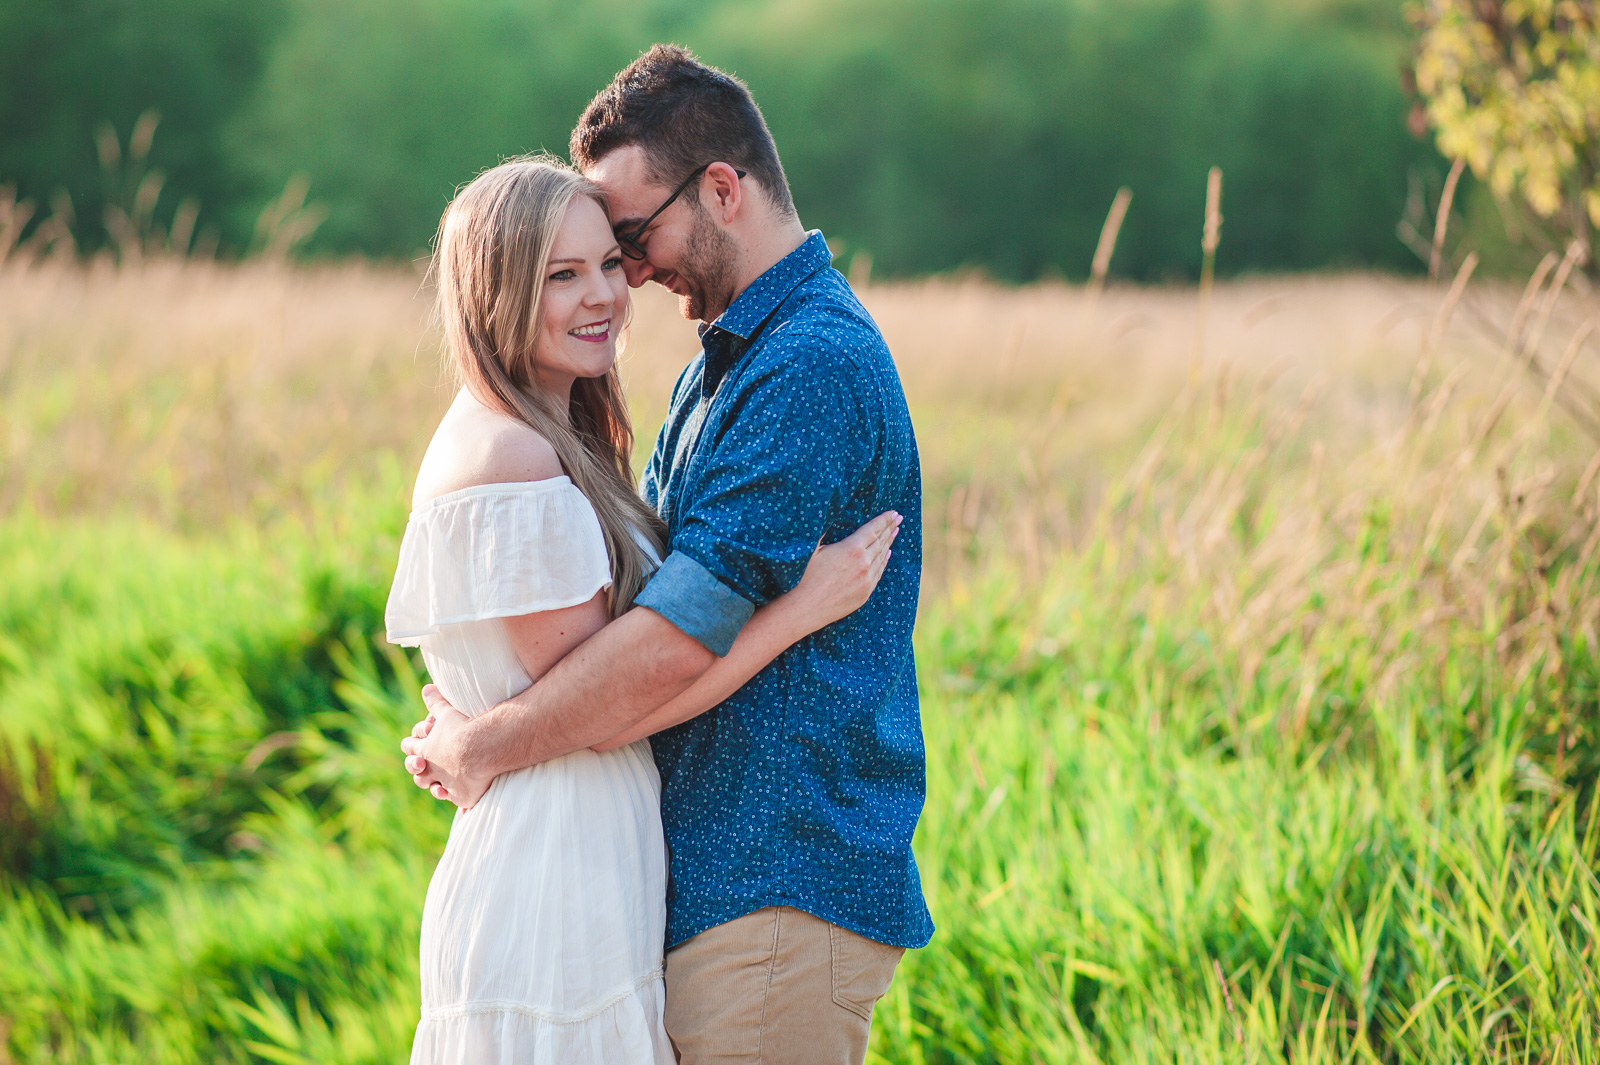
599, 292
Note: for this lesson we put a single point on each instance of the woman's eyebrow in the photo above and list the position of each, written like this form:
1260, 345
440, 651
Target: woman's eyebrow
581, 260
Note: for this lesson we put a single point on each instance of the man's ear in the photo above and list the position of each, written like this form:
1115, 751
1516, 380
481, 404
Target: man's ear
722, 193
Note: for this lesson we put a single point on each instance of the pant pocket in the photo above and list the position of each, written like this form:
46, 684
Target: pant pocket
862, 969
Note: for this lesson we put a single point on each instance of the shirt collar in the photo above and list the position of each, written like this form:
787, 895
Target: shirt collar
726, 339
744, 317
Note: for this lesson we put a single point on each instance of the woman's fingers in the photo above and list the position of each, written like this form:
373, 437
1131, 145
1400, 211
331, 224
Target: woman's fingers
886, 536
876, 553
882, 562
841, 576
873, 531
878, 536
872, 542
875, 535
881, 542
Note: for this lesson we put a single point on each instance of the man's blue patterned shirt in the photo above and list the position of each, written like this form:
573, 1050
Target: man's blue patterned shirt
804, 787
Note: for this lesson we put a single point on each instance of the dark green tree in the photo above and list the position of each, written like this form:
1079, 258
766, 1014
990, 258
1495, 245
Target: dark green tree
69, 68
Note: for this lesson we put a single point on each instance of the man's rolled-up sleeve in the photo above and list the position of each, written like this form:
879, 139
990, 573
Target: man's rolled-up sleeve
793, 446
692, 598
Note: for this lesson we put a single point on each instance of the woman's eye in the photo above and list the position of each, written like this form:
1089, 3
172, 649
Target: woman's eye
563, 275
613, 263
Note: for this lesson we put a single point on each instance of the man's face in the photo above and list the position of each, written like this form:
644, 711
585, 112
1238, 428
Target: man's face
686, 252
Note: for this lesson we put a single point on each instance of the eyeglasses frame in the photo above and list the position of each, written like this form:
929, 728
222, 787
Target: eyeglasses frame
629, 242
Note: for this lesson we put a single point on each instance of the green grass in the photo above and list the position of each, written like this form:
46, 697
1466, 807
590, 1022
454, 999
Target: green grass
1115, 881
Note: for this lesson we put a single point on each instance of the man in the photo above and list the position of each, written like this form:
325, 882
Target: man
788, 809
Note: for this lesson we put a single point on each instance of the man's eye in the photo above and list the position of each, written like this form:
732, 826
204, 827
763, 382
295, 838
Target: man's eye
563, 275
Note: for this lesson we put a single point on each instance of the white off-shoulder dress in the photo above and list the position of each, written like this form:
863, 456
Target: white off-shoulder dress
543, 929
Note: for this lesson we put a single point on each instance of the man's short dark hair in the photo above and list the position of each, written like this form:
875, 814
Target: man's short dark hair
683, 114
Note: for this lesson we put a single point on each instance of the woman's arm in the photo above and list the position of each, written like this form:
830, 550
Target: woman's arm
838, 580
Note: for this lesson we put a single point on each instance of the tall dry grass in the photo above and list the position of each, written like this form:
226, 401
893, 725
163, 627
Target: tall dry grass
190, 389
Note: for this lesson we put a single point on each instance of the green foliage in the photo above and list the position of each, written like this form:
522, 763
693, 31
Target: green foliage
964, 133
1137, 859
436, 91
152, 696
70, 67
931, 134
1513, 88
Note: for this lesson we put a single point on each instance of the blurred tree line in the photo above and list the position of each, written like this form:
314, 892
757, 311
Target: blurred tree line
931, 134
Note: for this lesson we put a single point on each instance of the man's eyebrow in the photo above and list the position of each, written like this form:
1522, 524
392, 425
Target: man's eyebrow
626, 224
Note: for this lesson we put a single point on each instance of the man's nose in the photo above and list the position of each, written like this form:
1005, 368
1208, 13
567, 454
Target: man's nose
637, 271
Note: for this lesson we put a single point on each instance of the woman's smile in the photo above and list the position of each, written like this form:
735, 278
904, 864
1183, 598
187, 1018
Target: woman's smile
594, 332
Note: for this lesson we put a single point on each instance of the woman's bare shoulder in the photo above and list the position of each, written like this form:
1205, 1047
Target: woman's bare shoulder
474, 445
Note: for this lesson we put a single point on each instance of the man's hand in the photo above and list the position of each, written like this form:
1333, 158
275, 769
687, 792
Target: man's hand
434, 754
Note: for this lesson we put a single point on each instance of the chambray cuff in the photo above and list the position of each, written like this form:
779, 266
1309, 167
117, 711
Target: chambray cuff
692, 598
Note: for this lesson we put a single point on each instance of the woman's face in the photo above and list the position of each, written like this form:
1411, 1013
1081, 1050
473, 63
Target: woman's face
584, 301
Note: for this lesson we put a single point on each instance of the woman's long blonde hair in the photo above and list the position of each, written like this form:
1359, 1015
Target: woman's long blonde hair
490, 260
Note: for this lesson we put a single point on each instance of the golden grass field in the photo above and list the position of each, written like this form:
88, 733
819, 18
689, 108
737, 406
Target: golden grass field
192, 390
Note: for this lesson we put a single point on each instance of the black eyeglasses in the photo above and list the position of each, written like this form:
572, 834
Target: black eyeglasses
629, 242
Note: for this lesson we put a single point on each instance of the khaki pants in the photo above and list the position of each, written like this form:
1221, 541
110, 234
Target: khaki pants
775, 987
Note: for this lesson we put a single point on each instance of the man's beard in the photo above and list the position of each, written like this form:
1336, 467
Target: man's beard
706, 267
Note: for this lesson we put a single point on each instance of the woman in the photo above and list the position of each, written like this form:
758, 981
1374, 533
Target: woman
543, 929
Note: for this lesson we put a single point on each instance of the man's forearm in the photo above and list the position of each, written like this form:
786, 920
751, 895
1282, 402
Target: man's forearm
606, 685
770, 631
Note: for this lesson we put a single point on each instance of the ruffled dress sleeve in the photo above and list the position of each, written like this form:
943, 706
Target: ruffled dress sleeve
495, 551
